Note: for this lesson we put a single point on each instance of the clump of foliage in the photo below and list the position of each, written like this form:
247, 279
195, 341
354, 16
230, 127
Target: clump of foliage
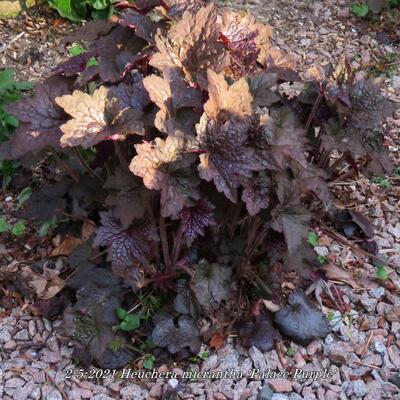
205, 173
81, 10
10, 91
373, 6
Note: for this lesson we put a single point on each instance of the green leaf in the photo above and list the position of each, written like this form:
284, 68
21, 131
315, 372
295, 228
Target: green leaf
329, 316
313, 239
19, 228
24, 196
92, 62
44, 229
130, 323
47, 226
116, 344
291, 352
361, 10
11, 120
4, 226
148, 361
322, 259
6, 79
204, 355
100, 4
121, 313
381, 274
102, 14
76, 50
75, 10
24, 86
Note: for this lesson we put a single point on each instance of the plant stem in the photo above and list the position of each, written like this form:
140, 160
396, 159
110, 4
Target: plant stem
86, 165
130, 347
178, 242
63, 165
164, 241
120, 154
313, 111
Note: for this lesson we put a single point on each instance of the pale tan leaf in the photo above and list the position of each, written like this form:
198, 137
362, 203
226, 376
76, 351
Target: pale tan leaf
88, 228
235, 99
335, 273
67, 246
270, 306
45, 285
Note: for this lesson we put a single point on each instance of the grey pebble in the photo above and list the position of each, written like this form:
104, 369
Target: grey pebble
22, 335
54, 395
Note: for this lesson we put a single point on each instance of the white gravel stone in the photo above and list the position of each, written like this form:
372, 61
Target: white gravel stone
51, 357
359, 388
10, 345
54, 395
23, 392
280, 396
5, 336
394, 230
322, 251
368, 303
377, 292
32, 328
132, 391
380, 348
36, 393
173, 383
210, 363
22, 335
14, 383
258, 358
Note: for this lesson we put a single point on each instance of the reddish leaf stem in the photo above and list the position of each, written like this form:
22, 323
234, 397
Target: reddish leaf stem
313, 111
164, 241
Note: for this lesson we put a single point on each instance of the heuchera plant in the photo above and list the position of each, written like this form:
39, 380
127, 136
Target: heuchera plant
214, 169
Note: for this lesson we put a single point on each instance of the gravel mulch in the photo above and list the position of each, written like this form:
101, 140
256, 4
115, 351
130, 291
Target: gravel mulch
362, 353
30, 43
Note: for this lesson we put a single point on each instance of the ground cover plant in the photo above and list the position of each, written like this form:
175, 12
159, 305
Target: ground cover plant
373, 6
10, 91
194, 175
80, 10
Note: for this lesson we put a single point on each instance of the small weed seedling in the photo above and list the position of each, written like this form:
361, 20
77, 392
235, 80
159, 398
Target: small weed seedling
18, 229
381, 274
129, 322
381, 181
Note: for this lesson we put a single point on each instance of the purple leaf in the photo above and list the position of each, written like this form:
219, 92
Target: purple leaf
246, 40
260, 334
176, 338
211, 284
74, 65
131, 94
125, 246
40, 119
282, 141
114, 52
195, 219
141, 24
256, 194
192, 45
228, 161
90, 32
127, 195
